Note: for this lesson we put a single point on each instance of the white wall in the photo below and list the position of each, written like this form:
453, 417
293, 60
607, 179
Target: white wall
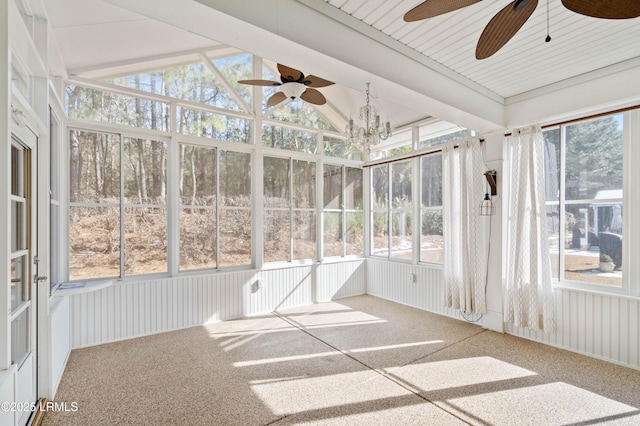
127, 310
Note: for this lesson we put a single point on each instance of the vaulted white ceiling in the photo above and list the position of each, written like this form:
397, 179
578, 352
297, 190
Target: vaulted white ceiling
417, 70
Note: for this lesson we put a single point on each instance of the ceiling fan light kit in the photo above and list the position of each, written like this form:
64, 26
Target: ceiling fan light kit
506, 23
293, 90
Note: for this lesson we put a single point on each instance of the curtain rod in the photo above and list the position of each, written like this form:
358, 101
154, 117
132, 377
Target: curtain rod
560, 123
588, 117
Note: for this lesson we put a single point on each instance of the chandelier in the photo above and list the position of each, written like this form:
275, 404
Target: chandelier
371, 133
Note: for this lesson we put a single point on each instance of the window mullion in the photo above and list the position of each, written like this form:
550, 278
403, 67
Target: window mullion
217, 209
291, 211
344, 211
389, 210
561, 204
122, 209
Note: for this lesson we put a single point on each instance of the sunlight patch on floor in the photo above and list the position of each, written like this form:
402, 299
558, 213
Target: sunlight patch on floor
558, 402
456, 373
326, 391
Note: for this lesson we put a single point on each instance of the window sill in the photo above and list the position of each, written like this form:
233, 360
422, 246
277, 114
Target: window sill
600, 290
70, 289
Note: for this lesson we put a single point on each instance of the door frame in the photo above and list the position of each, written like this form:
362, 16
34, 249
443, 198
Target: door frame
26, 379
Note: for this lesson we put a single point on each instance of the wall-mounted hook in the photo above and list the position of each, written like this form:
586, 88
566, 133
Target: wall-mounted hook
491, 176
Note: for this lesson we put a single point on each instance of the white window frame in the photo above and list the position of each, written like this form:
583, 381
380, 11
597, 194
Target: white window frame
631, 209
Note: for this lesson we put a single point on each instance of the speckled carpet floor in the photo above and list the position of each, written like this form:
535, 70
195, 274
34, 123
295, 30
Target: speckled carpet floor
356, 361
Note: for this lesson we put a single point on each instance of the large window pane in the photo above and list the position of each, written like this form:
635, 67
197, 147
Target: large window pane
353, 189
235, 237
552, 164
197, 238
304, 235
553, 230
587, 198
116, 108
276, 182
583, 247
304, 184
145, 240
332, 234
402, 210
277, 235
289, 139
441, 133
94, 242
94, 167
432, 240
593, 157
235, 179
207, 124
332, 187
197, 187
401, 185
342, 236
193, 82
145, 171
431, 169
198, 176
145, 217
380, 187
380, 207
354, 233
277, 214
380, 227
341, 148
401, 246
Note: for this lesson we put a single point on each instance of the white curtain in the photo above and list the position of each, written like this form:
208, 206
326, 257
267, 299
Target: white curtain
465, 231
528, 289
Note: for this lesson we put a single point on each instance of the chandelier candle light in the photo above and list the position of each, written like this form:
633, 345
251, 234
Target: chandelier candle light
370, 133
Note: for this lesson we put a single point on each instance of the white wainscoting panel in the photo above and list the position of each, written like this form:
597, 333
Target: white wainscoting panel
133, 309
340, 280
600, 325
59, 340
393, 281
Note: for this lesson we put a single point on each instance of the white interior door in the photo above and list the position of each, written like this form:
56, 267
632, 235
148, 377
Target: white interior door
22, 314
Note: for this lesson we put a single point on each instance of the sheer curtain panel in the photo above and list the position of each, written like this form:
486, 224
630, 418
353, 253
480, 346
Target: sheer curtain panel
528, 289
465, 231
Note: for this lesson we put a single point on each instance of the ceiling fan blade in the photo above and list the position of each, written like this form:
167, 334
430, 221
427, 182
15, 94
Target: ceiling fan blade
313, 81
606, 9
260, 82
502, 27
289, 74
431, 8
276, 98
313, 97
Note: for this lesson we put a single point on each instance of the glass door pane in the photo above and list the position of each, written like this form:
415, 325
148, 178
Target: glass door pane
20, 307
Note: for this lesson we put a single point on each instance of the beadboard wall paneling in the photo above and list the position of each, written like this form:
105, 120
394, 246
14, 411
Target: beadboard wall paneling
340, 280
59, 341
600, 325
393, 281
133, 309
